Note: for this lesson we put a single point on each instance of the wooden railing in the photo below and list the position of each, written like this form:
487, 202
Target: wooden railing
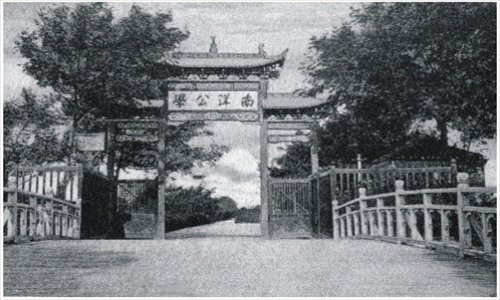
345, 183
31, 216
61, 182
461, 219
342, 185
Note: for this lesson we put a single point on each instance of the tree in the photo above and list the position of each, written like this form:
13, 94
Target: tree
28, 134
95, 64
397, 63
98, 66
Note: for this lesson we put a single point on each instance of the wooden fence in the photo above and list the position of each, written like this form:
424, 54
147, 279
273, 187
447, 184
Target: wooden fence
461, 219
56, 202
61, 182
346, 182
135, 196
31, 216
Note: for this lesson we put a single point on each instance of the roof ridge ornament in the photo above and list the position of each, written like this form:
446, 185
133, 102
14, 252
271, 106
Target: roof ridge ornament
213, 46
262, 52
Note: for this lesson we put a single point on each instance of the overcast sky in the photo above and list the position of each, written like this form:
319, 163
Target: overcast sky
239, 27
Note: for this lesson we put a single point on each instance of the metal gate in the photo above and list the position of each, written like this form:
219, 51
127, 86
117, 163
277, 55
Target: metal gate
289, 208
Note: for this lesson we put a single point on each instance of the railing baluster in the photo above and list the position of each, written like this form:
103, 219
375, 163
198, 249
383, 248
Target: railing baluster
487, 245
445, 226
342, 226
427, 199
356, 224
362, 207
399, 200
348, 221
390, 227
380, 218
463, 225
335, 218
371, 222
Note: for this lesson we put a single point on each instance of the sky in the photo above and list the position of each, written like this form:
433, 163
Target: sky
238, 27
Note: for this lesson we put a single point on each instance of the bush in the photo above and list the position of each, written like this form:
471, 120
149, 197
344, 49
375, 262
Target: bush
248, 215
195, 206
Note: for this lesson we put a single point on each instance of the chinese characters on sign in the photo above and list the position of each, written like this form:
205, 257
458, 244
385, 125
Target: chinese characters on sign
137, 132
212, 100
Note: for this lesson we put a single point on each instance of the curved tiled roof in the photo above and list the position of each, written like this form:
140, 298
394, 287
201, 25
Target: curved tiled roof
222, 60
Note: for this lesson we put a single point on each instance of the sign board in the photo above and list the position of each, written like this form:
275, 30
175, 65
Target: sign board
289, 125
213, 101
273, 139
137, 125
91, 142
137, 131
136, 138
213, 116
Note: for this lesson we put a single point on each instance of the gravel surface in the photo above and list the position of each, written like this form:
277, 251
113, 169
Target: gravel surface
239, 266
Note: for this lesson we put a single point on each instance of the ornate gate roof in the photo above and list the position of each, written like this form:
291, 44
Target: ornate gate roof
200, 60
204, 64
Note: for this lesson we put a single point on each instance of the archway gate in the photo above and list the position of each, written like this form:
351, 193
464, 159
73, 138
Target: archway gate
230, 87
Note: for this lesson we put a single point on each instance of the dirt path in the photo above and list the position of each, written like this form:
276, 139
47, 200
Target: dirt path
239, 266
226, 228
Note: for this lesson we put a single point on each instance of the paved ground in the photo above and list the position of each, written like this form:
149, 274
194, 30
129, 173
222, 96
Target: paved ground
219, 229
239, 266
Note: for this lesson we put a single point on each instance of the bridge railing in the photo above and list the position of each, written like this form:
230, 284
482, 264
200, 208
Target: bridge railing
345, 183
461, 219
43, 202
31, 216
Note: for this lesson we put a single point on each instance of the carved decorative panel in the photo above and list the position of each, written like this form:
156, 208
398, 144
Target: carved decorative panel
213, 116
274, 139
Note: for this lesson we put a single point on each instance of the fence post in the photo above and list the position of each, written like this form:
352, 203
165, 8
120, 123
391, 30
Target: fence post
359, 165
318, 202
336, 231
380, 217
15, 224
32, 216
464, 231
362, 207
454, 172
428, 236
400, 230
333, 196
445, 226
51, 216
348, 221
390, 227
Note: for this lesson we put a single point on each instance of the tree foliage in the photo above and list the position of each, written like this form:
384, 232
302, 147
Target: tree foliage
98, 66
395, 63
29, 137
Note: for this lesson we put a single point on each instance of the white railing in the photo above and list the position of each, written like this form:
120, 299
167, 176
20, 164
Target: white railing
31, 216
461, 219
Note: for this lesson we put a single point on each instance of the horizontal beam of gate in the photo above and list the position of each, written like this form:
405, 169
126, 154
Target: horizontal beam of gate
289, 125
287, 138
